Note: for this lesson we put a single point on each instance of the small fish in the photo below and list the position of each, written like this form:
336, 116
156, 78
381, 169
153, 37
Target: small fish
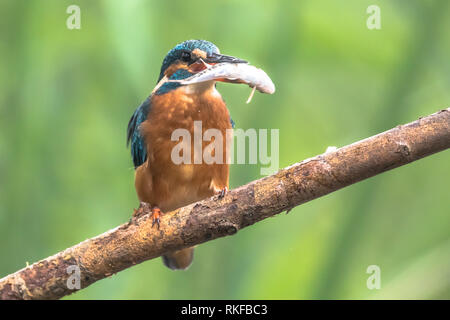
234, 72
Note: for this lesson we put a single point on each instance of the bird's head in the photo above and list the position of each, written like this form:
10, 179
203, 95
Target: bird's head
189, 57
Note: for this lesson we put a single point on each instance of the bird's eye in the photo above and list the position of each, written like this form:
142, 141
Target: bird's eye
185, 56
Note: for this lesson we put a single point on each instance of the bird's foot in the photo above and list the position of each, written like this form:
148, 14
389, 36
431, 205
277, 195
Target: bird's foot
141, 210
156, 214
221, 193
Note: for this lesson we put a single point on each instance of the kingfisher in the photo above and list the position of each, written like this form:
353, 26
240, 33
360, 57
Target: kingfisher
159, 181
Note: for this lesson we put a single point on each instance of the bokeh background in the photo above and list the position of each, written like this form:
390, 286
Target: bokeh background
65, 174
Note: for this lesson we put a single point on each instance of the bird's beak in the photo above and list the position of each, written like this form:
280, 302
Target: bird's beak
211, 59
221, 58
216, 58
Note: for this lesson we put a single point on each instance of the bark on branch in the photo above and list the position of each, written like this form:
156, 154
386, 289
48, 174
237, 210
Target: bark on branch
135, 242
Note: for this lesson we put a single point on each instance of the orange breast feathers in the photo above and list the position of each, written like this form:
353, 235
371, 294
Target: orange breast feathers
160, 181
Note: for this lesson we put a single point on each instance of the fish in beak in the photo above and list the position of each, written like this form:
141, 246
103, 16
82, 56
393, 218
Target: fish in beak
234, 72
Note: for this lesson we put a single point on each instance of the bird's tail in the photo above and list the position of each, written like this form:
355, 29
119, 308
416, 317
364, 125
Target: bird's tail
179, 260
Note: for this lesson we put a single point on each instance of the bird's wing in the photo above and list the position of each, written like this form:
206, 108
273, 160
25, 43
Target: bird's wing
134, 137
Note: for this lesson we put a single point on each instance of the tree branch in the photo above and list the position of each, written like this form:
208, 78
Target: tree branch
136, 241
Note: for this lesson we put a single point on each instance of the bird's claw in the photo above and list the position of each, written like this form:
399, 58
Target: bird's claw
140, 211
156, 214
222, 192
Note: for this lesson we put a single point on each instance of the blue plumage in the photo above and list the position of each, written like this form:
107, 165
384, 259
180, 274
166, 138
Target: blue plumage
134, 137
178, 75
188, 45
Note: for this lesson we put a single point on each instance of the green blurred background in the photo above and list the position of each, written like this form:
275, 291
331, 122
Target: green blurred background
65, 174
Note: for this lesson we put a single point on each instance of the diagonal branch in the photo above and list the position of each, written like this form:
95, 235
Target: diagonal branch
136, 241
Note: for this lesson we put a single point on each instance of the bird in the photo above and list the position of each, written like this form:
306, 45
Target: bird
159, 181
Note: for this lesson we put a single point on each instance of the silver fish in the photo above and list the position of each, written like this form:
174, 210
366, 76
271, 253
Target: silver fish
234, 72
